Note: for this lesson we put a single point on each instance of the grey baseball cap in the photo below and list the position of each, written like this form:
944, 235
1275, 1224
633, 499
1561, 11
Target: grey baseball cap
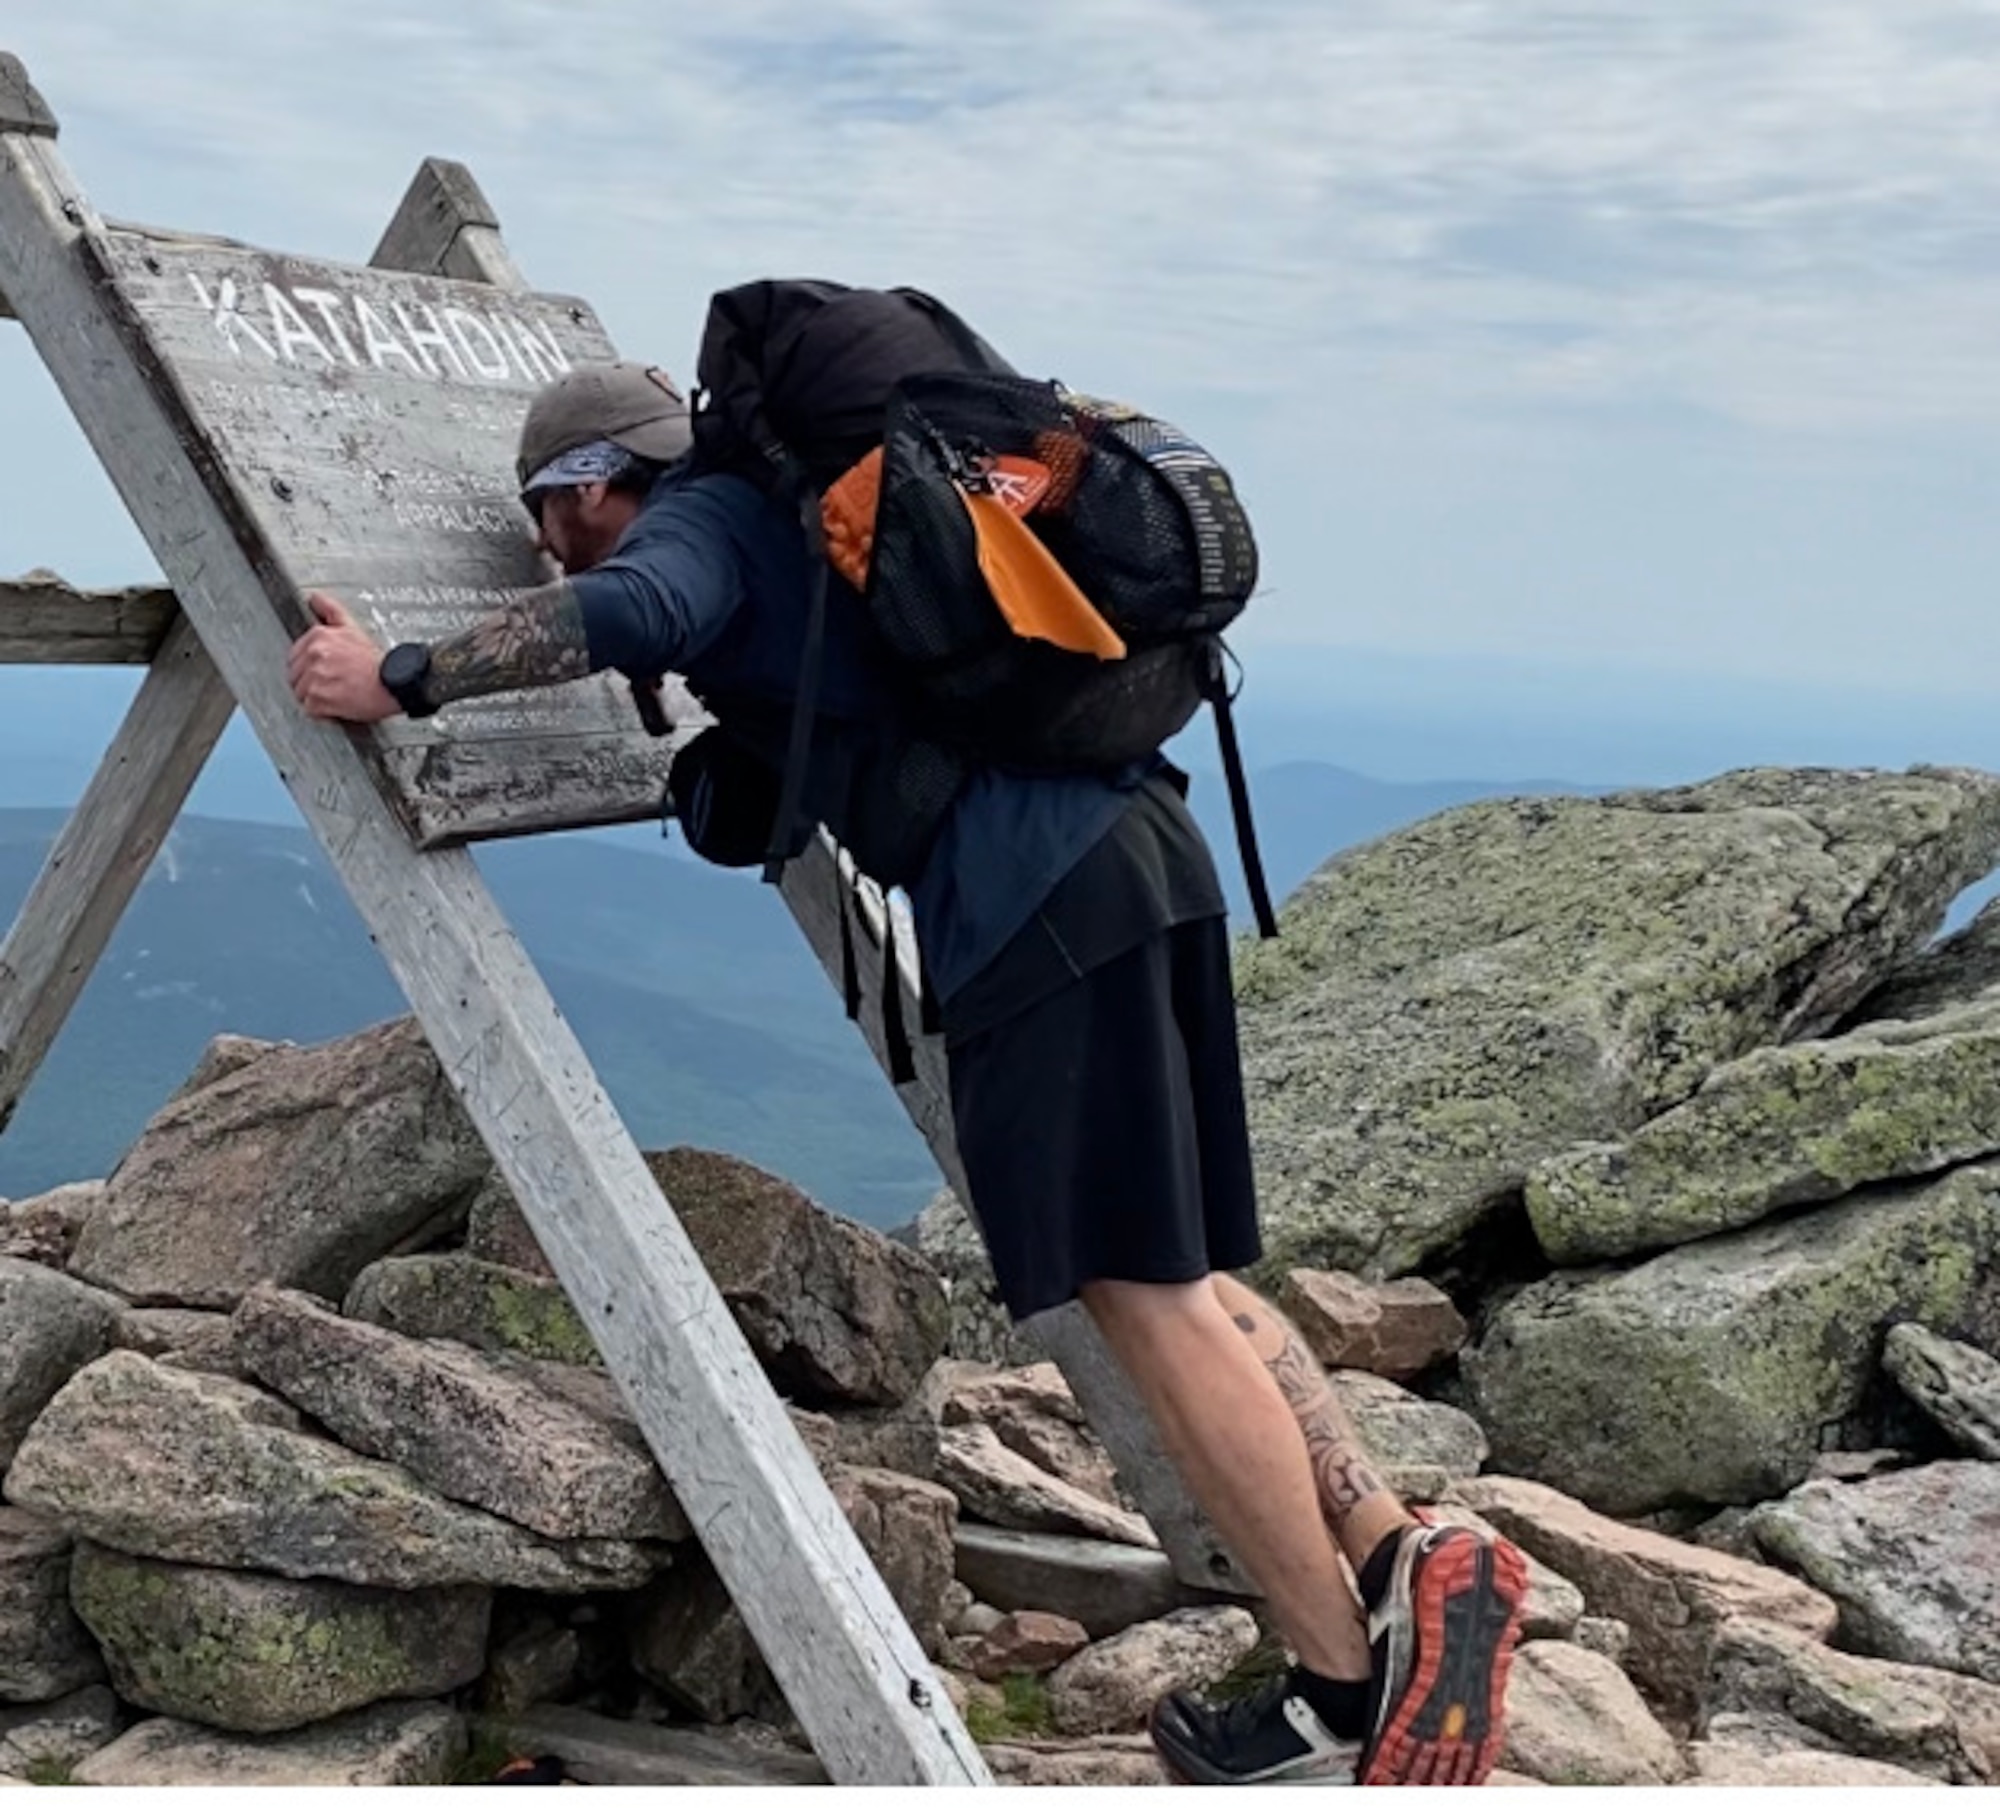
637, 406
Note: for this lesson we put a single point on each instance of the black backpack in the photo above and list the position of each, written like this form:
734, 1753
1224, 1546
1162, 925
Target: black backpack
798, 382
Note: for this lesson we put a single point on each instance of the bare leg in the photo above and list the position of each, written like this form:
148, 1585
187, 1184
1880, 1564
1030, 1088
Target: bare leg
1356, 1504
1240, 1448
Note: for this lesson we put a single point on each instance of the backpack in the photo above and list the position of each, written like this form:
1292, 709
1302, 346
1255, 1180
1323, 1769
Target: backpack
1049, 573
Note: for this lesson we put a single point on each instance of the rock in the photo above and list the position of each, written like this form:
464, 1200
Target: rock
1512, 978
1032, 1412
59, 1735
1404, 1432
1601, 1634
1948, 974
836, 1312
456, 1421
1553, 1607
960, 1606
1108, 1688
185, 1337
1574, 1718
688, 1638
471, 1302
1911, 1558
50, 1327
1111, 1761
1674, 1597
1390, 1328
301, 1167
596, 1750
1855, 1466
1106, 1587
44, 1229
1956, 1384
980, 1330
1776, 1129
903, 1437
497, 1230
995, 1484
1738, 1768
1026, 1640
224, 1056
1933, 1722
197, 1469
531, 1668
256, 1654
1712, 1372
391, 1743
45, 1651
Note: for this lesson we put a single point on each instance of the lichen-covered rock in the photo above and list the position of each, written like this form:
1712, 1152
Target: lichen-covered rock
391, 1743
1574, 1718
1390, 1328
1910, 1557
1780, 1128
1403, 1431
1004, 1488
1957, 1384
300, 1167
59, 1735
1712, 1372
1460, 1000
45, 1651
259, 1654
1955, 971
1109, 1687
836, 1312
456, 1420
1934, 1722
471, 1302
1674, 1597
44, 1229
198, 1469
50, 1327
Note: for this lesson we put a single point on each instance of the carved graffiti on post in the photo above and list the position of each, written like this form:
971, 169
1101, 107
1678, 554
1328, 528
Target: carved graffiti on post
365, 421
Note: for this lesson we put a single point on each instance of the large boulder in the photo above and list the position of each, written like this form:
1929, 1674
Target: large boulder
1574, 1718
300, 1167
1911, 1558
260, 1654
391, 1743
1404, 1432
1108, 1688
836, 1312
486, 1305
456, 1420
1675, 1598
50, 1327
1955, 971
1713, 1372
1956, 1384
1780, 1128
45, 1651
1934, 1722
199, 1469
1463, 999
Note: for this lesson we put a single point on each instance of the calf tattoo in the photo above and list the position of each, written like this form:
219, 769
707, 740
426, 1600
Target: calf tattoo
1340, 1467
536, 639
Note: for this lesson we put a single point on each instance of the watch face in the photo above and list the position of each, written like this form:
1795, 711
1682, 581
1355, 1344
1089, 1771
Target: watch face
405, 666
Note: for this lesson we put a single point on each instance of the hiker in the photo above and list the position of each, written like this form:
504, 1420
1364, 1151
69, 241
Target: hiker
1074, 937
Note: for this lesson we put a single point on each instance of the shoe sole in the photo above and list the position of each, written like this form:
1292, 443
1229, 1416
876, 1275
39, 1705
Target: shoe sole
1448, 1726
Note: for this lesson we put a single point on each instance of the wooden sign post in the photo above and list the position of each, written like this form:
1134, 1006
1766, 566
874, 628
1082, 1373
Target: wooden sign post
276, 424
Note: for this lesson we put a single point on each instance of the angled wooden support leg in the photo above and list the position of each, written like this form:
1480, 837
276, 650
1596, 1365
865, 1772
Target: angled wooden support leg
103, 852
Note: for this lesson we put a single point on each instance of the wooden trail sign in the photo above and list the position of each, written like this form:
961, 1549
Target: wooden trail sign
845, 1658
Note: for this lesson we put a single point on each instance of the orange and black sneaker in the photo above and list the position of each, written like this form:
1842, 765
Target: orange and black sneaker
1442, 1634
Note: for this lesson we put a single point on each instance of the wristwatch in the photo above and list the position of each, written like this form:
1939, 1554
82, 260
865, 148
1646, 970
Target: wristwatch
403, 672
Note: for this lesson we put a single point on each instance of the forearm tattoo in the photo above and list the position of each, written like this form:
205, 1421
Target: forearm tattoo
537, 639
1340, 1467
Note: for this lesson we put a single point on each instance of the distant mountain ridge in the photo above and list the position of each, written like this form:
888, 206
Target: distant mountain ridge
697, 1000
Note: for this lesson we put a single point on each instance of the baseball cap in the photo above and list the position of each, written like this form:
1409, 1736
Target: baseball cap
637, 406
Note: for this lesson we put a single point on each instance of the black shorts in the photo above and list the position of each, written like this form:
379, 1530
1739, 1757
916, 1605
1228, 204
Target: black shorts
1102, 1128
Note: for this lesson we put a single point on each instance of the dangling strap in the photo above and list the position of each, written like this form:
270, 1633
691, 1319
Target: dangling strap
1239, 800
895, 1034
805, 705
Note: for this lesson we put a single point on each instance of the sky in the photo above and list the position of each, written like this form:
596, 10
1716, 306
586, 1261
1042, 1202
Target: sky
1593, 373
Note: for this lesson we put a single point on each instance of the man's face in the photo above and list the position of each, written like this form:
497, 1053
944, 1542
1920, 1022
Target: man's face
579, 525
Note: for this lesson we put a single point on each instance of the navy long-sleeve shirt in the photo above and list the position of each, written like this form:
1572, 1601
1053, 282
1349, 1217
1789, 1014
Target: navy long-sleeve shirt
712, 580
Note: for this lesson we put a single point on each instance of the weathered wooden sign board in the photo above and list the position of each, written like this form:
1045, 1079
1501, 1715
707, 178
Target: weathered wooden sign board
365, 422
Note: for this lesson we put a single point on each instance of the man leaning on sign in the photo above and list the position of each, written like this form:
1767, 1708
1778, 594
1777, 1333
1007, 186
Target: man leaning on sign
1074, 935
